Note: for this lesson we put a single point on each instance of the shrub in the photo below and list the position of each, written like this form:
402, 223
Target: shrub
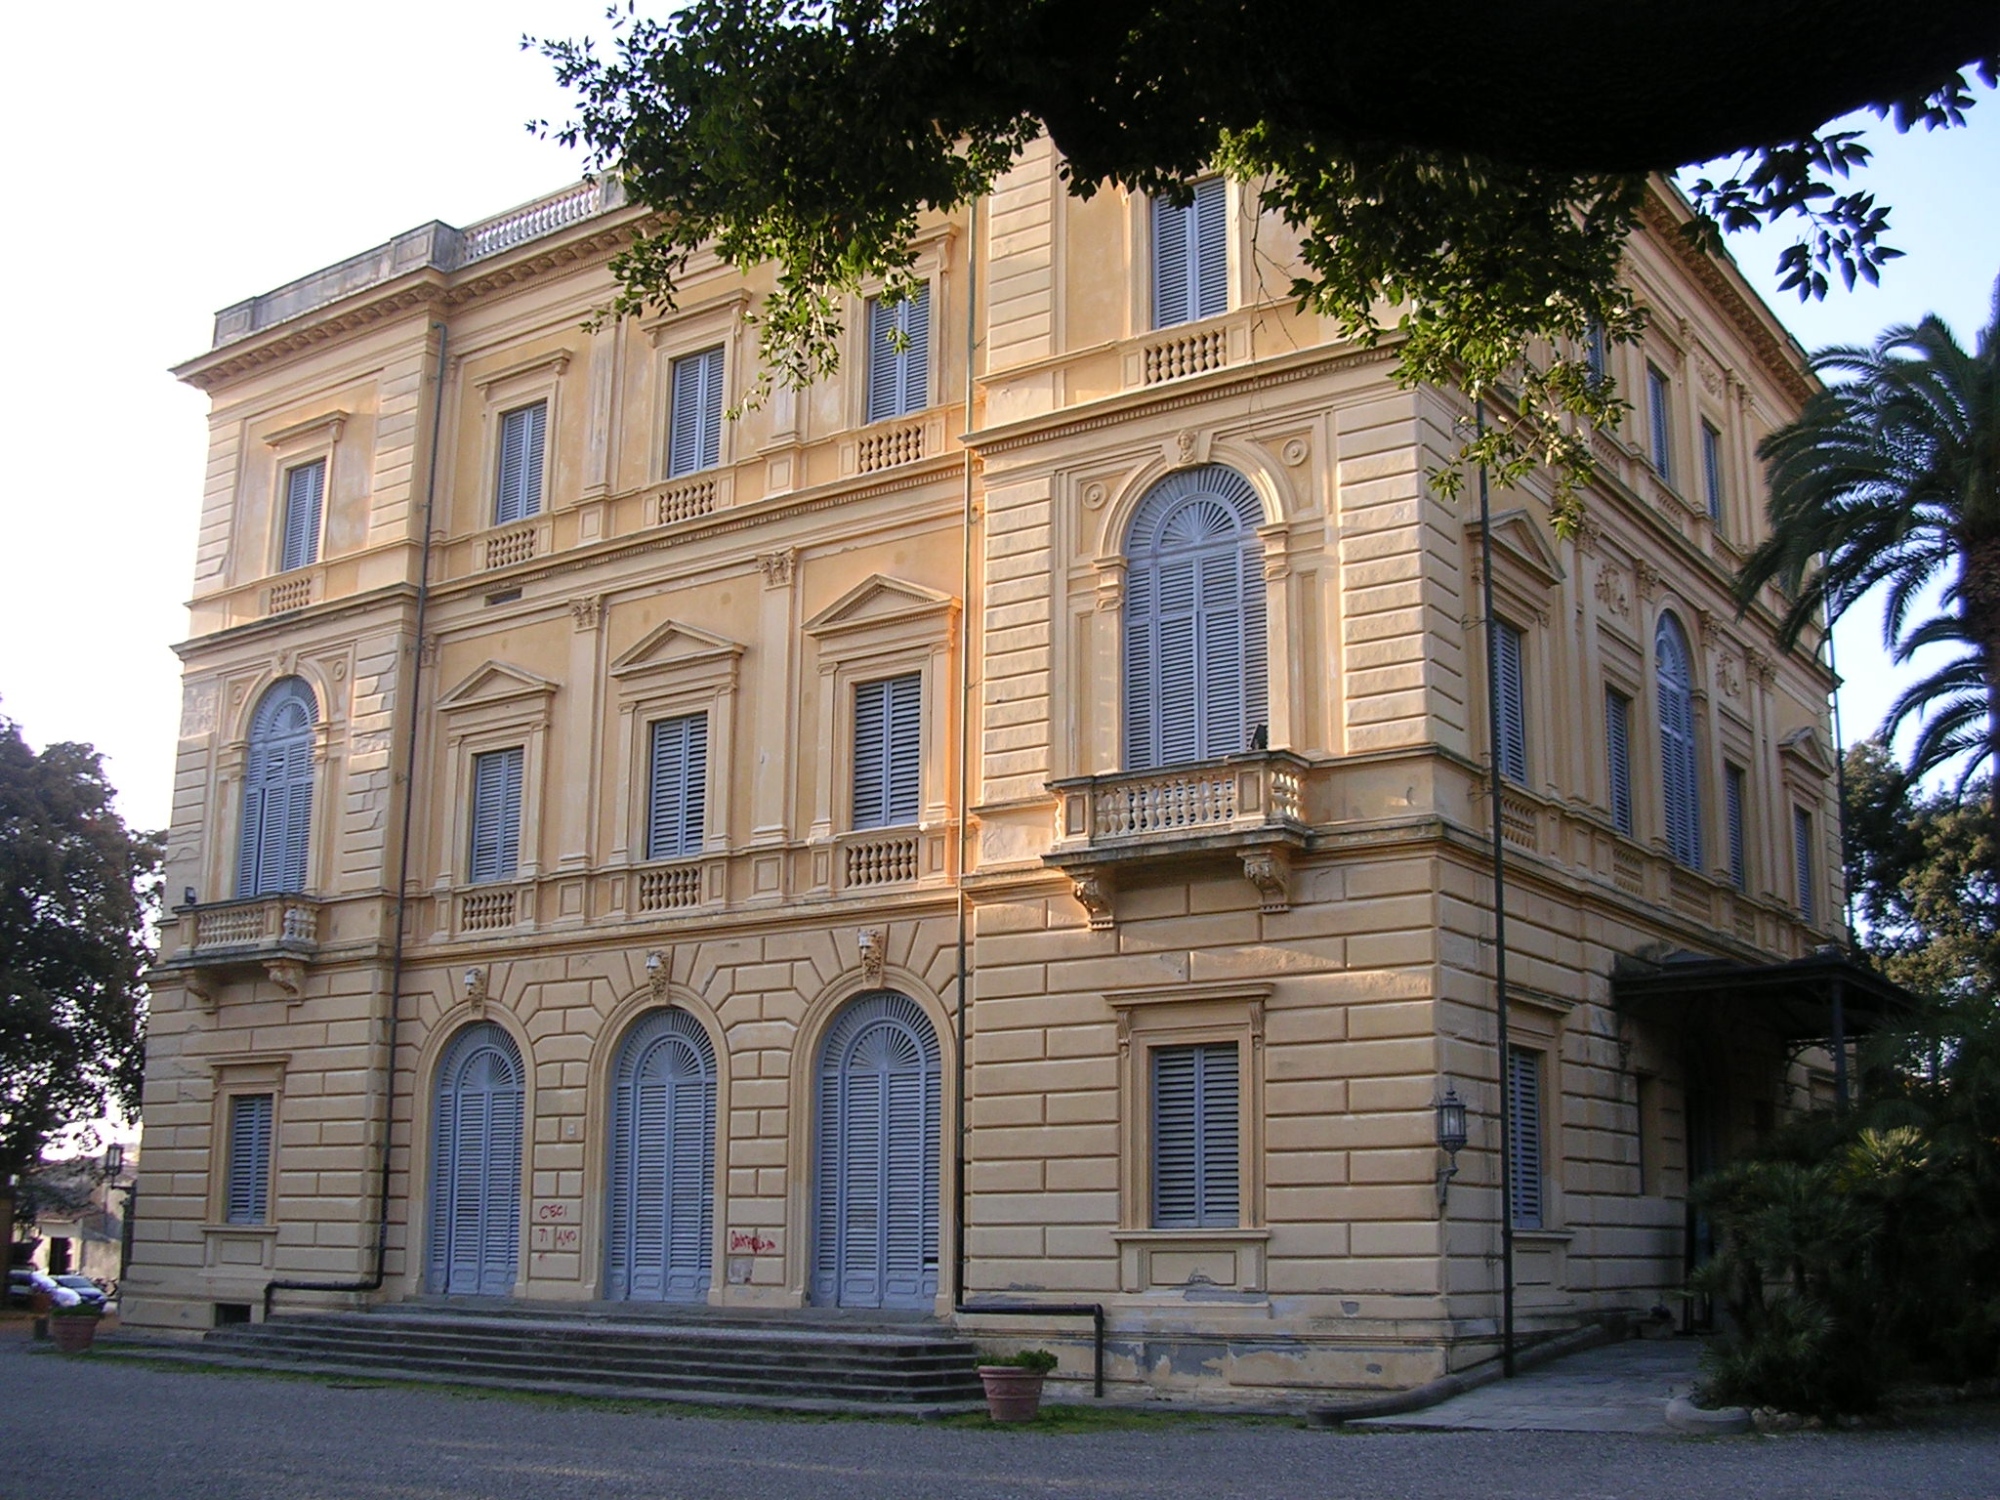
1036, 1361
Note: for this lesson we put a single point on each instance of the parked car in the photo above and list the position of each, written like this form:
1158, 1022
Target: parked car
88, 1292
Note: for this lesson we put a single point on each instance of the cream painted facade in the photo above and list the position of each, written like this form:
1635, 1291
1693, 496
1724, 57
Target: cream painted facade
1316, 915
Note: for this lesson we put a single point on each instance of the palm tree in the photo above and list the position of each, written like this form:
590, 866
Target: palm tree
1892, 476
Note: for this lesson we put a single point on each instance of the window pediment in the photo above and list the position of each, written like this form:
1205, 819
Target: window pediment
675, 648
1803, 751
880, 602
496, 682
1520, 541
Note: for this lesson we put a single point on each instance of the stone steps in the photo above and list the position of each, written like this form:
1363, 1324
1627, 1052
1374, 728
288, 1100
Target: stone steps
801, 1363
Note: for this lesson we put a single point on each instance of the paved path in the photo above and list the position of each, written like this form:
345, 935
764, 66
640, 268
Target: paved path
1614, 1388
122, 1431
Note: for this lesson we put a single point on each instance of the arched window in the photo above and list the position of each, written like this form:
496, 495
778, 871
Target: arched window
1681, 791
277, 792
1194, 621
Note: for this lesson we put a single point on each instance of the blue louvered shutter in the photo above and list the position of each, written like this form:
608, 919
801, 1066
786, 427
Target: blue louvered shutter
1733, 781
888, 751
899, 379
1511, 737
877, 1158
249, 1181
1678, 778
1802, 861
903, 795
678, 798
1618, 755
523, 439
695, 436
1173, 263
476, 1171
1659, 422
273, 842
1596, 353
1524, 1103
1211, 249
1196, 1131
305, 489
1191, 256
496, 814
1196, 654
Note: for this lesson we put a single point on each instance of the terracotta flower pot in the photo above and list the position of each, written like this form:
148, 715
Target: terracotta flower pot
1012, 1393
74, 1334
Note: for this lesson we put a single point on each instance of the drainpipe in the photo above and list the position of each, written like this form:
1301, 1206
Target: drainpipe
373, 1282
1499, 916
964, 766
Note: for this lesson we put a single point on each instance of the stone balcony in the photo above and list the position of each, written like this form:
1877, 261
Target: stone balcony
279, 934
1249, 806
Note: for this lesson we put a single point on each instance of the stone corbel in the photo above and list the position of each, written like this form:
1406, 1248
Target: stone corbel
289, 975
202, 988
1270, 870
1093, 894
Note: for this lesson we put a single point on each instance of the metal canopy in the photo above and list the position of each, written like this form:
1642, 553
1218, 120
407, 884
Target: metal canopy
1815, 998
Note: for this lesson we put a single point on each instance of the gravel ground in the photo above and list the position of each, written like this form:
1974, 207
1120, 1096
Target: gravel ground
117, 1430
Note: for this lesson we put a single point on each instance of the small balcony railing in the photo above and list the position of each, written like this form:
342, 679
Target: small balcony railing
251, 927
1256, 794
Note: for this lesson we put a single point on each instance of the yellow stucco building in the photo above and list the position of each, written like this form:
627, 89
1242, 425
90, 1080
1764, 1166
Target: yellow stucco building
1011, 820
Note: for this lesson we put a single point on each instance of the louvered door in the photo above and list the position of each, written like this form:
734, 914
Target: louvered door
476, 1166
660, 1241
876, 1160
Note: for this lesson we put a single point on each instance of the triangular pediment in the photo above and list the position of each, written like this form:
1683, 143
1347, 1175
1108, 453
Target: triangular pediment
675, 644
877, 601
1805, 747
496, 682
1516, 535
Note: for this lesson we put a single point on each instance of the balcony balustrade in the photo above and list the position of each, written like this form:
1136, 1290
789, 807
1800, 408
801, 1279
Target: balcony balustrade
1251, 806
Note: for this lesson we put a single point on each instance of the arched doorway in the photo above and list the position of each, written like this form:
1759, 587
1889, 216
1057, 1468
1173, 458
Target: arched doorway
658, 1246
475, 1242
875, 1219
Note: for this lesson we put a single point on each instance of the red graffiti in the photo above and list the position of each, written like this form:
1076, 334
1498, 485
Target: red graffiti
748, 1240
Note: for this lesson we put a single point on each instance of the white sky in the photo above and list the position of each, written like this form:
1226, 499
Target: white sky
190, 156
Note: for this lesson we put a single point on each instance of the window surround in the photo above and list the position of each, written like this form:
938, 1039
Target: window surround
1167, 1260
315, 440
1139, 235
1536, 1023
242, 1249
1807, 771
676, 336
932, 253
1154, 206
497, 707
522, 383
1526, 573
673, 670
883, 627
232, 767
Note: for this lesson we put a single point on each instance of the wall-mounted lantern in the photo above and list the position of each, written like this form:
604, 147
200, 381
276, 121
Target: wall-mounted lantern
1451, 1137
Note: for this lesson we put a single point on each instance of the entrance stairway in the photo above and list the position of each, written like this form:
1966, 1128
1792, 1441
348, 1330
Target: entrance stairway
803, 1361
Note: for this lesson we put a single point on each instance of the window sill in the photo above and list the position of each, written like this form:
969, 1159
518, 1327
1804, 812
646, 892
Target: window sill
1544, 1236
1187, 1260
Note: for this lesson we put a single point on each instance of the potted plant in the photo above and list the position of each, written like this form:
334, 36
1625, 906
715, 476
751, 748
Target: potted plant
74, 1326
1014, 1384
